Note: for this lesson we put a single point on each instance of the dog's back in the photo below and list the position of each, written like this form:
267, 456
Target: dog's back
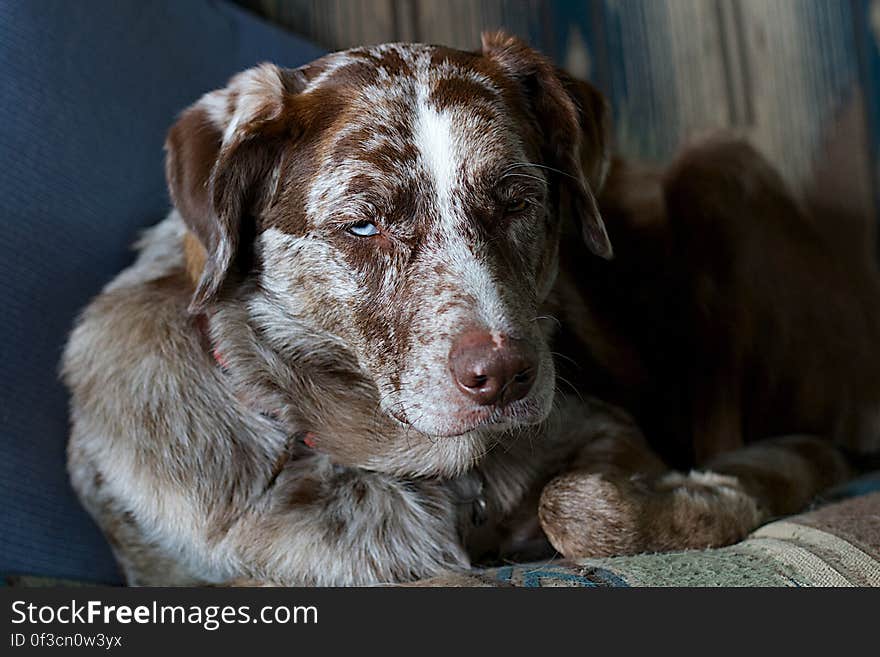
789, 323
736, 318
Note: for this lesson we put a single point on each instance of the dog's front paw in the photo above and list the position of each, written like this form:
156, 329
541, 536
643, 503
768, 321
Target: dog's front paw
586, 514
700, 510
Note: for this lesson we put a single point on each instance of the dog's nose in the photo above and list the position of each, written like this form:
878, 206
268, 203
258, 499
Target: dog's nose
492, 369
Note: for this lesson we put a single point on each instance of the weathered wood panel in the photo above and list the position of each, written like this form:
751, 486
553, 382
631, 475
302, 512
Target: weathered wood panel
799, 78
335, 24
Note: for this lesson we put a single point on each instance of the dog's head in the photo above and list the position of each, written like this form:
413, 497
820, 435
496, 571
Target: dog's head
408, 199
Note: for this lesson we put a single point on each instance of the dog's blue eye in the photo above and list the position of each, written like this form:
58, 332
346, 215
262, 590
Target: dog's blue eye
363, 229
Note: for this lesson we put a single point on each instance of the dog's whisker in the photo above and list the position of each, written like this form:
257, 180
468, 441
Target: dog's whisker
571, 385
567, 358
550, 317
541, 166
524, 175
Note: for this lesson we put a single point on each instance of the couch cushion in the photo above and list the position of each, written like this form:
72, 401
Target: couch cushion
89, 90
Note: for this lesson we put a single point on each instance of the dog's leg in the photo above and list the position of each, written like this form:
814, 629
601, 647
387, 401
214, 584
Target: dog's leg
619, 499
783, 475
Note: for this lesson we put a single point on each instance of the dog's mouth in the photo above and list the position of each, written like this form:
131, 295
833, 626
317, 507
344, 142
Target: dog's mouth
456, 406
524, 412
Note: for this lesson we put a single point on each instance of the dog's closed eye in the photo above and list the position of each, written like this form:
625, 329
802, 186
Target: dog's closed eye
515, 206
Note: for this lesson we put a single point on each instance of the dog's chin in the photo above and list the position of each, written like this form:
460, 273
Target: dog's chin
526, 412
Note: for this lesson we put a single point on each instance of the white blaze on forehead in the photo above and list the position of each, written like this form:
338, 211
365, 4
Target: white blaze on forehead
440, 148
475, 279
435, 142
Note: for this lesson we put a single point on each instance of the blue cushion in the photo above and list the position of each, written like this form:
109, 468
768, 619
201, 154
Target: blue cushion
89, 90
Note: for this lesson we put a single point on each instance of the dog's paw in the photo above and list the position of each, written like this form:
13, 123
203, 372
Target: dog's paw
699, 510
586, 514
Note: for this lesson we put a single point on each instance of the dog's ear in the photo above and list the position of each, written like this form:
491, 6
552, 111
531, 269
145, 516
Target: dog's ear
219, 156
573, 119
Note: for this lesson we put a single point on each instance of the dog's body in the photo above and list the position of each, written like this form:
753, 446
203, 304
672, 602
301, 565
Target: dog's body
332, 363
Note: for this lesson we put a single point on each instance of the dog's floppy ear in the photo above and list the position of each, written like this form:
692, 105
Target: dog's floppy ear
219, 155
573, 118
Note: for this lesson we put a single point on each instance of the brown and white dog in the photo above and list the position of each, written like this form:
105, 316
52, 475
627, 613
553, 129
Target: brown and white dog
336, 361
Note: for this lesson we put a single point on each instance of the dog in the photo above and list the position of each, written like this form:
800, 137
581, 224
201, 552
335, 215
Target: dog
384, 336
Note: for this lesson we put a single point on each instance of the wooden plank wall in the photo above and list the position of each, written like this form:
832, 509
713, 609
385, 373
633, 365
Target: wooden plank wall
799, 78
